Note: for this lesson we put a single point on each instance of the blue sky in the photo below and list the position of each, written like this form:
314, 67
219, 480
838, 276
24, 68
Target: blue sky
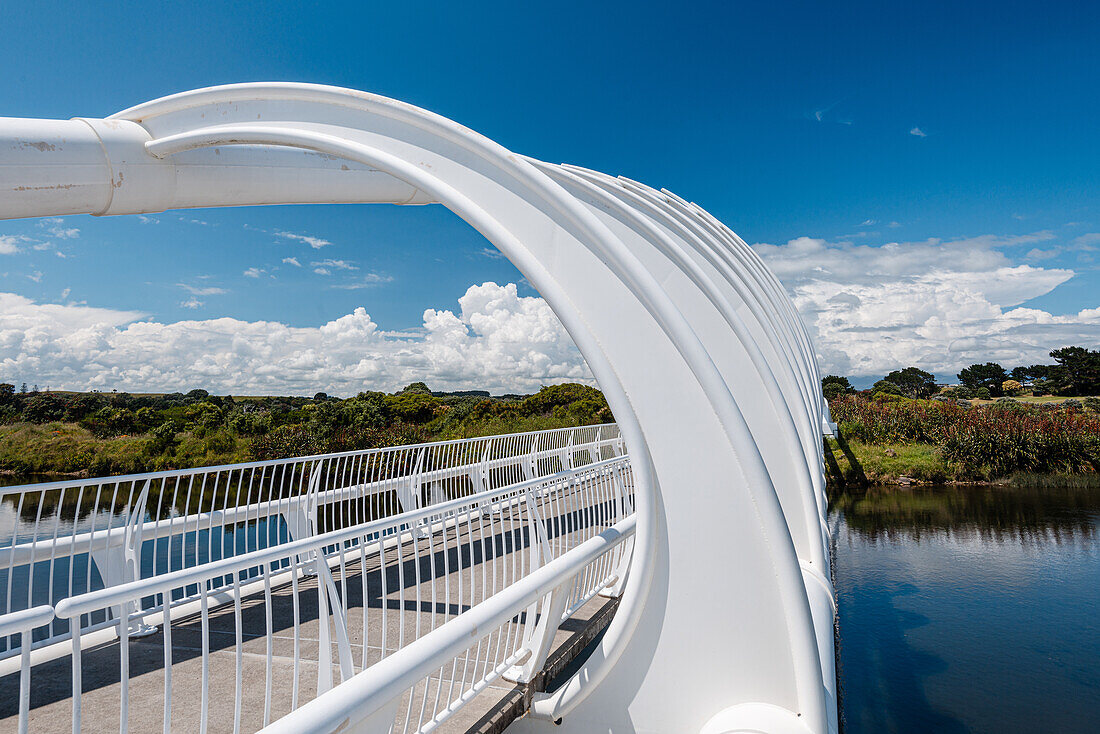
964, 134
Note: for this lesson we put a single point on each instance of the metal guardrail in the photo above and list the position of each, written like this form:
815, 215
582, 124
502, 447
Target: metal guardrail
499, 632
451, 558
62, 539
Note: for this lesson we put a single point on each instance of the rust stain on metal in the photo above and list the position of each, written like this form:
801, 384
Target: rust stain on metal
40, 145
57, 187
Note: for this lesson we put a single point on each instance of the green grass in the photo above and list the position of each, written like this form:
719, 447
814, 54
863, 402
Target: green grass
857, 463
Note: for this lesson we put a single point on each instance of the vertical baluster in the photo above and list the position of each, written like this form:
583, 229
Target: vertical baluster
204, 615
268, 639
166, 629
24, 679
295, 573
238, 649
124, 660
78, 688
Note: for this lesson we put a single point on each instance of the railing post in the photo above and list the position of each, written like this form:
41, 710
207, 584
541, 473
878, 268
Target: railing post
477, 471
300, 513
567, 453
594, 451
120, 563
626, 548
300, 516
330, 608
541, 636
531, 467
540, 553
409, 494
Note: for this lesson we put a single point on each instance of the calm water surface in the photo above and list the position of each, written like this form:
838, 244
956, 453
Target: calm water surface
969, 609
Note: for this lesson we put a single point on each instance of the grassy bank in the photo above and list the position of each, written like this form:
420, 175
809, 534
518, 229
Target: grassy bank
890, 439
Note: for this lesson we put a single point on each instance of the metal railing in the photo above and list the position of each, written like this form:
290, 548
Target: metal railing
468, 653
348, 599
62, 539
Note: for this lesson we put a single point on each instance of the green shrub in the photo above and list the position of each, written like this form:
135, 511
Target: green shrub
885, 386
997, 439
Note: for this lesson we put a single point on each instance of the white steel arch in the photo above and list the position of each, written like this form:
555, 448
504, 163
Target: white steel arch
726, 621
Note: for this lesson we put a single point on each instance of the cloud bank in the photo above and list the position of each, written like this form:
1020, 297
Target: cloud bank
496, 340
934, 304
937, 305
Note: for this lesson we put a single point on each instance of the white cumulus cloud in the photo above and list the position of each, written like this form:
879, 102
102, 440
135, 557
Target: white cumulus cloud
937, 305
315, 242
496, 340
197, 290
56, 227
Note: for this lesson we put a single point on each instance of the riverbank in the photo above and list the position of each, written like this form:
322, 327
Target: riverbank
853, 463
888, 439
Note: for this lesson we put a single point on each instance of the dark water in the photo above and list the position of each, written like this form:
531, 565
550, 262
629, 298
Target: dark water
969, 609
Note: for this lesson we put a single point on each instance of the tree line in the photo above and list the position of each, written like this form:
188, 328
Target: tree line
103, 433
1075, 373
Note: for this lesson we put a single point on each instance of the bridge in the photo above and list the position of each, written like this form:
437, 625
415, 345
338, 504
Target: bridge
393, 590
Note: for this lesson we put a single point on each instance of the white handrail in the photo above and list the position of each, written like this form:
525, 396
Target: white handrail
433, 550
351, 705
206, 513
114, 595
25, 620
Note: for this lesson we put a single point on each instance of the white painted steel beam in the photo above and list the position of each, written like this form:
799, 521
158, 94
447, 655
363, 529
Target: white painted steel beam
727, 610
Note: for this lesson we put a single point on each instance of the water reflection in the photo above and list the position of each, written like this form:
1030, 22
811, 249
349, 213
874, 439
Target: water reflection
968, 609
1025, 514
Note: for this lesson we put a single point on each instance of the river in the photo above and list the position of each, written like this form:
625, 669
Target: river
971, 609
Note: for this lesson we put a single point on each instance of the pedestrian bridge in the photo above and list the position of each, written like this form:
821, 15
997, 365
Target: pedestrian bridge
387, 591
273, 581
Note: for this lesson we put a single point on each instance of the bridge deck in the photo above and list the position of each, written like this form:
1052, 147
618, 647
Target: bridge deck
420, 585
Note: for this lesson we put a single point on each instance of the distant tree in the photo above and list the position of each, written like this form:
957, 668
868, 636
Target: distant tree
887, 387
84, 405
1080, 370
1023, 375
963, 393
989, 375
320, 397
1011, 387
834, 385
7, 391
914, 382
23, 389
1042, 386
418, 388
44, 408
162, 439
983, 393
